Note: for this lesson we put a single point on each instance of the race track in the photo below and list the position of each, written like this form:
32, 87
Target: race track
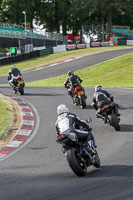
39, 170
78, 64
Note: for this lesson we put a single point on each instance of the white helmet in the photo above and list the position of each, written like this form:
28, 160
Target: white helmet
98, 88
13, 66
62, 109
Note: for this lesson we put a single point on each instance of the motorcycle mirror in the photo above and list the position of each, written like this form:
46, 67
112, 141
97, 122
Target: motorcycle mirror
89, 120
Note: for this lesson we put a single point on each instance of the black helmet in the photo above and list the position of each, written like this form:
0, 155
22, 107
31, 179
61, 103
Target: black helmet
70, 73
98, 88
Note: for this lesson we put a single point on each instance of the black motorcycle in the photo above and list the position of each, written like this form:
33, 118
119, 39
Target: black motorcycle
79, 151
109, 116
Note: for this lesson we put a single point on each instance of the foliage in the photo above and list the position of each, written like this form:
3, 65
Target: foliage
68, 14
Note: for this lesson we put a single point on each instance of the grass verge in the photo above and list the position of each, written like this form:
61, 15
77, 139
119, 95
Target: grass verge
5, 115
52, 58
114, 73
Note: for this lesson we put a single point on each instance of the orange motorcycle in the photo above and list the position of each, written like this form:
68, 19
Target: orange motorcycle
78, 95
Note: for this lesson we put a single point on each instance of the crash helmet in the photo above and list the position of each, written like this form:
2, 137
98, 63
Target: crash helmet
98, 88
70, 73
13, 66
62, 109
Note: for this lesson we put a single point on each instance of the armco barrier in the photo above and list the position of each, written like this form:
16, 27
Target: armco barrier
18, 58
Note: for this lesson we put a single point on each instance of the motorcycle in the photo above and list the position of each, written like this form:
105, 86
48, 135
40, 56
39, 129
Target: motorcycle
18, 84
80, 152
109, 116
78, 96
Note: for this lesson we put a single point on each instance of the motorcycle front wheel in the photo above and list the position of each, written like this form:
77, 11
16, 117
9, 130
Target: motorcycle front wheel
76, 162
97, 162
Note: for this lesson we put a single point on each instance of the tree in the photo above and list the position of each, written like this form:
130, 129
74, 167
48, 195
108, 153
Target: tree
12, 11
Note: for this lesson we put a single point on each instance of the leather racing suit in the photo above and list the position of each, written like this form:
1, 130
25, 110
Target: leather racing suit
69, 122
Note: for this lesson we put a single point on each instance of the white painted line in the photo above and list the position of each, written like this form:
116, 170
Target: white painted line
28, 122
24, 132
79, 57
2, 155
27, 113
103, 62
53, 64
68, 60
38, 69
24, 107
14, 143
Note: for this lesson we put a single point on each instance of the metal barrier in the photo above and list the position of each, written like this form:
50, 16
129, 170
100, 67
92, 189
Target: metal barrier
123, 32
18, 31
12, 33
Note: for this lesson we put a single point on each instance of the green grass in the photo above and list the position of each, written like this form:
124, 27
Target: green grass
52, 58
5, 115
114, 73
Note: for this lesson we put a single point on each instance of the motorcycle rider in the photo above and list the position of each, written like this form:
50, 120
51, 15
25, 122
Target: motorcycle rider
72, 82
69, 122
13, 72
102, 97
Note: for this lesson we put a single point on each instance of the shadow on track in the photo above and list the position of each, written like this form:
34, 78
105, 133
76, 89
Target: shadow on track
5, 87
42, 94
112, 171
126, 127
125, 108
89, 107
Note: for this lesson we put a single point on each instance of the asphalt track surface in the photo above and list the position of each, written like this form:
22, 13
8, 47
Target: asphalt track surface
75, 65
39, 170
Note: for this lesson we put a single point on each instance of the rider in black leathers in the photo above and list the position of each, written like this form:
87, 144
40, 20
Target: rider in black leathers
72, 82
102, 97
69, 122
14, 71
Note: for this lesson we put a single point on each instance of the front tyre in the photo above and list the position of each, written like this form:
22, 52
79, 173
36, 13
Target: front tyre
97, 162
76, 162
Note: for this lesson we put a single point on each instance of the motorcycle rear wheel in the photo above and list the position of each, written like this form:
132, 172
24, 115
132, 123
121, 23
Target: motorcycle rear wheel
21, 89
114, 122
78, 166
83, 102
